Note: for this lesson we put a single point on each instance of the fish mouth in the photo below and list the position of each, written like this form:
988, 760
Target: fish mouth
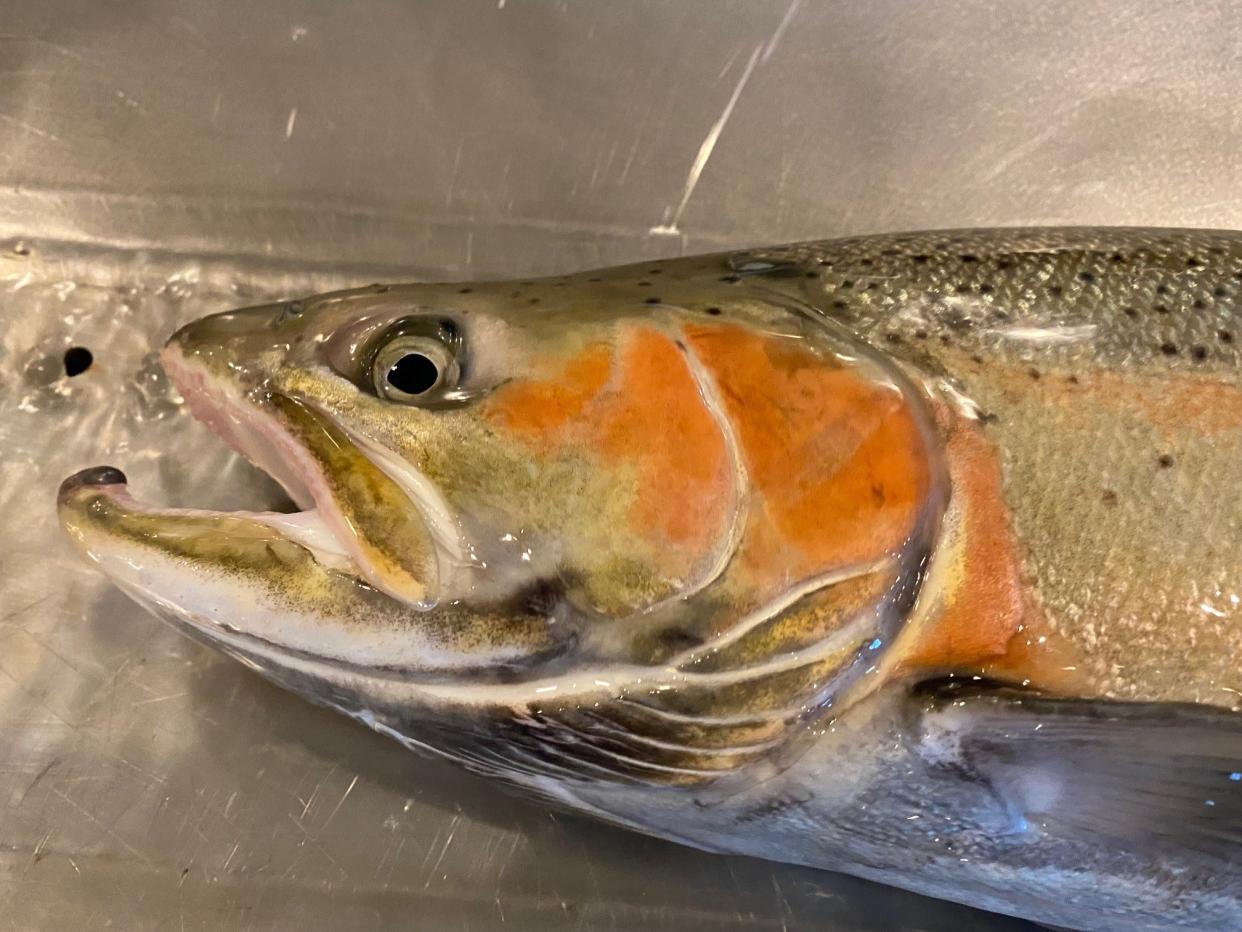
400, 541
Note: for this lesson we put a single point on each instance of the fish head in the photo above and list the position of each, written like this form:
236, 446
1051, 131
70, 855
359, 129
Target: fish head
513, 508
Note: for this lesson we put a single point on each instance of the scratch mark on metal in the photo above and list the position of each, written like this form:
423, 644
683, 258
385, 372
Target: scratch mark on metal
672, 218
35, 855
344, 796
770, 47
293, 118
448, 195
9, 616
308, 802
39, 776
729, 64
106, 829
59, 49
29, 127
444, 850
318, 847
229, 859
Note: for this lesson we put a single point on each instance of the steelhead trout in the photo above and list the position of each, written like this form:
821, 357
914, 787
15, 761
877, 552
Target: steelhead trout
916, 557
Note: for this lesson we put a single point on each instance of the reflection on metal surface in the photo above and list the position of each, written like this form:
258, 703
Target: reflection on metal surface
190, 154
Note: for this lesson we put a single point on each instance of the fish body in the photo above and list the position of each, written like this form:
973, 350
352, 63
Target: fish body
916, 556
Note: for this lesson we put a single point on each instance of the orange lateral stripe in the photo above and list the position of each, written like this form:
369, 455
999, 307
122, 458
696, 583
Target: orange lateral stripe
538, 408
988, 624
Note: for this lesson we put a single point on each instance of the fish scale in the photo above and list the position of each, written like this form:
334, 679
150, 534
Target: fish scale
958, 282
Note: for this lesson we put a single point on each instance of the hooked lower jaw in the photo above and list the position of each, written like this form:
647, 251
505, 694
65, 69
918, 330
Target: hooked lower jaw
231, 577
250, 585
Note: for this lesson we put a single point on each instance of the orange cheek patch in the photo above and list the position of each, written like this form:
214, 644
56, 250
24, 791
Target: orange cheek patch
658, 420
539, 410
836, 459
636, 408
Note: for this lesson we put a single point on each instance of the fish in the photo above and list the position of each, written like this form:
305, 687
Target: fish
916, 557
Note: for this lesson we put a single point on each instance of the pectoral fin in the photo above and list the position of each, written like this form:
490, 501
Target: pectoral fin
1161, 775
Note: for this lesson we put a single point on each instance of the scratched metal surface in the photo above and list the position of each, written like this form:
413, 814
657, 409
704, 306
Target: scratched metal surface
161, 160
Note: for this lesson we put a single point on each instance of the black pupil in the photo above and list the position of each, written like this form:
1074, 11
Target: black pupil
413, 374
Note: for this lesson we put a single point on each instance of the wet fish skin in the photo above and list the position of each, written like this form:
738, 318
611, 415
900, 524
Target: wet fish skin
1022, 695
1106, 369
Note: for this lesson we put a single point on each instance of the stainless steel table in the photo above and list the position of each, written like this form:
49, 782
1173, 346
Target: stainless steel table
161, 160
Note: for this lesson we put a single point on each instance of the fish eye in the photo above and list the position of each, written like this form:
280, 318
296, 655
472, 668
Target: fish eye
409, 369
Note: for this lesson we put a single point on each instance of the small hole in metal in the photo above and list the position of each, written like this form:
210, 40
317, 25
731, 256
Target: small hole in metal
77, 360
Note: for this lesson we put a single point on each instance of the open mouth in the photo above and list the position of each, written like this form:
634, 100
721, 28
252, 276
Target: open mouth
319, 466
